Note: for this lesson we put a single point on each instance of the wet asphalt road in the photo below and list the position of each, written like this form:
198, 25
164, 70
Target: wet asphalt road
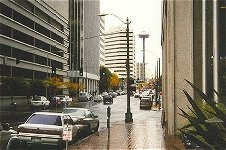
118, 110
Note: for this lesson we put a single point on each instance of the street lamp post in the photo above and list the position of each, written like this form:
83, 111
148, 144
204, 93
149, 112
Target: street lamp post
86, 77
128, 114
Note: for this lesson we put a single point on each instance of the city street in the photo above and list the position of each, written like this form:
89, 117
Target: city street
118, 110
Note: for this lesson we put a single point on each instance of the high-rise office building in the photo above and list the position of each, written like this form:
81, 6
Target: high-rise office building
85, 43
140, 71
102, 41
116, 51
34, 38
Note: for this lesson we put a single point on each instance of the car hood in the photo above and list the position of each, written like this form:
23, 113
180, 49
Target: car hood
75, 118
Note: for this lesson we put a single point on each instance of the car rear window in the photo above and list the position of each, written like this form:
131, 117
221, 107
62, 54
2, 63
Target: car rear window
45, 119
37, 98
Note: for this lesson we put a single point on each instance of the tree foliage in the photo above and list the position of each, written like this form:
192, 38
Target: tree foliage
114, 81
53, 84
72, 88
105, 76
13, 85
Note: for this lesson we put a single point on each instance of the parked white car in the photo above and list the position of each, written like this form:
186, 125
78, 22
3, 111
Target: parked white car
40, 101
46, 128
84, 117
64, 99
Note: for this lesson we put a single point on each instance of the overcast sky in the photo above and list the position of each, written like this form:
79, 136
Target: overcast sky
145, 16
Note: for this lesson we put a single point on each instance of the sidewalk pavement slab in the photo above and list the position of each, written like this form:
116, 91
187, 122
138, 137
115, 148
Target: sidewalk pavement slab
140, 134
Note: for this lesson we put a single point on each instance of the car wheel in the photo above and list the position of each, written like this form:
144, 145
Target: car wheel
96, 129
88, 129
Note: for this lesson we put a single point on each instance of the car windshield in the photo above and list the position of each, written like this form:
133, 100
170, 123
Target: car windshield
74, 112
45, 119
37, 99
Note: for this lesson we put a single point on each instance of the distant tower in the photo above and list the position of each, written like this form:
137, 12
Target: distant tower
143, 36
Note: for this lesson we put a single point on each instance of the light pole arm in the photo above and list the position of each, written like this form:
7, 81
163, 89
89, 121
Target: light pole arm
127, 20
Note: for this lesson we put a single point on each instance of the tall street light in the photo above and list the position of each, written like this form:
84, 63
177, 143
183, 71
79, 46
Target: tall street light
128, 114
86, 77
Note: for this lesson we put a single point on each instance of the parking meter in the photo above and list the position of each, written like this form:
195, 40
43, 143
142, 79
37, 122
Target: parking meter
108, 111
108, 116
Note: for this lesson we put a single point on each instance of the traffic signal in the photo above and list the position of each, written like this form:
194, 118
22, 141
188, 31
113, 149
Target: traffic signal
53, 70
81, 71
17, 59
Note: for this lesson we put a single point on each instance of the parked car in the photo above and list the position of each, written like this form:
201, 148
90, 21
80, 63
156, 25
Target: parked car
113, 94
107, 99
84, 96
104, 93
83, 116
137, 95
40, 101
64, 99
46, 128
146, 102
97, 98
5, 134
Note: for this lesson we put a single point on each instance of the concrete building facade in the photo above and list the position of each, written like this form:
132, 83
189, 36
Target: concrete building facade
116, 52
193, 41
102, 41
140, 71
36, 34
85, 43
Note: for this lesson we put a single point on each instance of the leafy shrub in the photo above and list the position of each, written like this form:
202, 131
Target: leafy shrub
206, 126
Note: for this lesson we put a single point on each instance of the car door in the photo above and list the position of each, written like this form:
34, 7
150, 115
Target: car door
90, 117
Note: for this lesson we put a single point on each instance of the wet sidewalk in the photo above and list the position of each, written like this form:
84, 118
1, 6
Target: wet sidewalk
141, 134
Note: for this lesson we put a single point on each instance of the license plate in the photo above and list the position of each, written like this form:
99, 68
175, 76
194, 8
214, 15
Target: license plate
36, 140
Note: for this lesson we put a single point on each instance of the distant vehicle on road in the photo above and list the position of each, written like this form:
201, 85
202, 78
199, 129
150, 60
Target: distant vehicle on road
104, 93
97, 98
137, 95
146, 102
46, 128
64, 99
84, 96
83, 116
113, 94
107, 99
40, 101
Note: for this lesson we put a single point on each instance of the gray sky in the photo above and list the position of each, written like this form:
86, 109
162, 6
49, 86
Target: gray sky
145, 16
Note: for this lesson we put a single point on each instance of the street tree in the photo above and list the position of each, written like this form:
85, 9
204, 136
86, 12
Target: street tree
105, 76
37, 87
72, 88
12, 86
114, 81
53, 84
